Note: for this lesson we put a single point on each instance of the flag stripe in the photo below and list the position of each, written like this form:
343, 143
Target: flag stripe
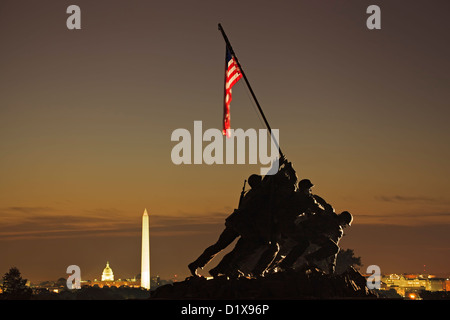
232, 75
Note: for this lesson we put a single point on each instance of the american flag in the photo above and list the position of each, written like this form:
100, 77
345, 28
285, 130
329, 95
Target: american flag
232, 75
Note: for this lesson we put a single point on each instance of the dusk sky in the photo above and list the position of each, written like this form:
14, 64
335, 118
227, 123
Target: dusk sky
86, 118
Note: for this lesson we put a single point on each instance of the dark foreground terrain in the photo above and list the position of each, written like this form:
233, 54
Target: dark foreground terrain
310, 283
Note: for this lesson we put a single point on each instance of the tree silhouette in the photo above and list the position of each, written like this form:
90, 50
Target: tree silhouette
345, 259
61, 282
14, 287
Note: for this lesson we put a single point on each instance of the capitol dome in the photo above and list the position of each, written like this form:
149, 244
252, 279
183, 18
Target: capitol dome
107, 274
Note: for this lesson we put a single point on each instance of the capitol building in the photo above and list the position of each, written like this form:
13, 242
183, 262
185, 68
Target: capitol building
107, 280
107, 274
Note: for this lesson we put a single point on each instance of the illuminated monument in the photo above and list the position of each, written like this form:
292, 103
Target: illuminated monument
107, 274
145, 255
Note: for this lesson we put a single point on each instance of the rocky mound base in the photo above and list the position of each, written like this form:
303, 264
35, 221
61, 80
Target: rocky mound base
309, 283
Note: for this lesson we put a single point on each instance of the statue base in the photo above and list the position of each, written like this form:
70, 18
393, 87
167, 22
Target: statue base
308, 283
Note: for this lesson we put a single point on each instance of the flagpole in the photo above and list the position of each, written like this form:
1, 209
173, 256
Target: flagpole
249, 87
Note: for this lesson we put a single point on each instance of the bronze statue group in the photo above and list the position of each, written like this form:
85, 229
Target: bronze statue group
279, 225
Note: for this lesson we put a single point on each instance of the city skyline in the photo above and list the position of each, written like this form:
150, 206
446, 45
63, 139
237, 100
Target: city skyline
130, 274
87, 115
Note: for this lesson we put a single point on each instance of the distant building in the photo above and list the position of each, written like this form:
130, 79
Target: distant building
406, 284
107, 274
107, 280
133, 283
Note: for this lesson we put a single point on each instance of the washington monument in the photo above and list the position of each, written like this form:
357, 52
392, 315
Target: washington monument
145, 255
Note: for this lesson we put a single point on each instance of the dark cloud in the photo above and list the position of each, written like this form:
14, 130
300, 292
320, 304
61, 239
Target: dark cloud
21, 223
405, 215
185, 224
29, 210
398, 198
51, 226
406, 218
